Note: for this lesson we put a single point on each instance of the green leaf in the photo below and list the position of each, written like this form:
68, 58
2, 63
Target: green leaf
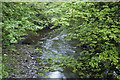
13, 40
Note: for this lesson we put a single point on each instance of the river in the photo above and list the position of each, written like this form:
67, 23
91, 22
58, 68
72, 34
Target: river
29, 62
26, 60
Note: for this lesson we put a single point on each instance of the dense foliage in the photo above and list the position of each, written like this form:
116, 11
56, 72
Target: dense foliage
95, 25
19, 19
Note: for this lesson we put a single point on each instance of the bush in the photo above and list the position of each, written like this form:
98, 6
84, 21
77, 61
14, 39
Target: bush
19, 19
96, 27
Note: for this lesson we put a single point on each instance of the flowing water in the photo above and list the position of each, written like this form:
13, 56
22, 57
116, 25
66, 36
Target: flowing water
26, 60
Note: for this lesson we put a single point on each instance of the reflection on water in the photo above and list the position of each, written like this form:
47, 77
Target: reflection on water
56, 74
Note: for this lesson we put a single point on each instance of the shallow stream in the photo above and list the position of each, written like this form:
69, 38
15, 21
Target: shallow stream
26, 59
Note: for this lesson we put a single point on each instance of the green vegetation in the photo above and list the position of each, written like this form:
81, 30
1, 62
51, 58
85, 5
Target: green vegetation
19, 19
95, 25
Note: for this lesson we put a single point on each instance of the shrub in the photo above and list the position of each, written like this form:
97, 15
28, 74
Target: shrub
96, 27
